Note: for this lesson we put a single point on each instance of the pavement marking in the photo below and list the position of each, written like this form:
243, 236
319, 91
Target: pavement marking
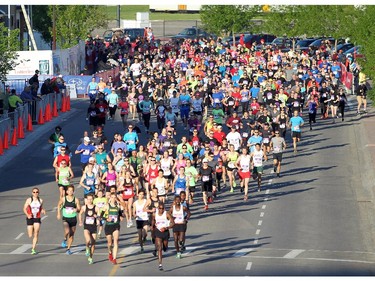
267, 191
22, 249
78, 249
19, 236
248, 266
262, 214
260, 222
269, 181
265, 199
243, 252
256, 241
257, 232
54, 209
44, 217
293, 254
129, 250
264, 206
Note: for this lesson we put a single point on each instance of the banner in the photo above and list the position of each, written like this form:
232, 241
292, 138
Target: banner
81, 82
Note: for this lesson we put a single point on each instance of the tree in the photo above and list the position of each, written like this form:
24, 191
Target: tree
224, 20
74, 22
9, 45
42, 21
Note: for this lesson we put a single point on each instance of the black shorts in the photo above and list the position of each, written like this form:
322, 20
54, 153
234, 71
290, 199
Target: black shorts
179, 227
92, 228
192, 188
170, 177
162, 235
207, 186
70, 221
33, 220
141, 224
296, 135
110, 228
278, 156
197, 112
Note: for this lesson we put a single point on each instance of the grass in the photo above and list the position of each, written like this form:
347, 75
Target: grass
128, 12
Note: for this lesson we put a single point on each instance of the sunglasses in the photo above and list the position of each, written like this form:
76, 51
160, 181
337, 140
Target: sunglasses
35, 191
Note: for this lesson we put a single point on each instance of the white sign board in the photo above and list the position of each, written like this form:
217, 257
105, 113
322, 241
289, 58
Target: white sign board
72, 90
29, 61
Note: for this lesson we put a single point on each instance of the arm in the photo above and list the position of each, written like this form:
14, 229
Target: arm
25, 207
59, 207
80, 215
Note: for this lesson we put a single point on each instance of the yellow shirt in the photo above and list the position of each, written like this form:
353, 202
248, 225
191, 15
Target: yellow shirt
13, 99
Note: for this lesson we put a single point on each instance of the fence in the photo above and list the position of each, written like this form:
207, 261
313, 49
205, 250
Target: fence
14, 124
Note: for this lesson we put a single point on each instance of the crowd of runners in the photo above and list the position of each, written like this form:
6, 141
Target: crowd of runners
233, 108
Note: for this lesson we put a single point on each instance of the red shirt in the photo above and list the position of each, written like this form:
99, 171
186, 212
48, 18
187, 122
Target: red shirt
61, 157
232, 121
219, 136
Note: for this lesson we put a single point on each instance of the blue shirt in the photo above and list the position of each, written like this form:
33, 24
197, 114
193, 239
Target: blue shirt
254, 92
253, 140
86, 154
296, 122
130, 139
145, 106
185, 100
217, 97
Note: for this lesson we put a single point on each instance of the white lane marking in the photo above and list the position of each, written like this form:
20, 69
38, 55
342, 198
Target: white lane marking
256, 241
262, 214
293, 254
54, 209
22, 249
78, 249
265, 199
264, 206
189, 250
259, 222
257, 232
44, 217
248, 266
270, 182
129, 250
267, 191
19, 236
242, 252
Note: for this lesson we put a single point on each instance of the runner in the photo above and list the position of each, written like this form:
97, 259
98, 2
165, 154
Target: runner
243, 165
312, 105
231, 159
161, 223
192, 177
32, 208
90, 225
113, 213
206, 174
63, 176
100, 201
181, 215
69, 205
161, 183
295, 123
257, 164
109, 178
140, 207
278, 145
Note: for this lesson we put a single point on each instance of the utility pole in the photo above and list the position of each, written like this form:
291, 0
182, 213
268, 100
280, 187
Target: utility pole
118, 15
54, 28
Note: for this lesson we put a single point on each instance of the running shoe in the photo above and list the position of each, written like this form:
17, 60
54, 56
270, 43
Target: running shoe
110, 257
130, 223
63, 244
90, 260
165, 248
209, 200
274, 169
231, 190
245, 198
154, 253
114, 261
127, 225
241, 189
183, 248
234, 184
68, 252
160, 267
87, 252
33, 252
259, 189
178, 256
205, 207
142, 250
278, 175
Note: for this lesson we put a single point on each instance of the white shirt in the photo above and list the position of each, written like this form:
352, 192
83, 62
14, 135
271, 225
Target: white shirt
235, 139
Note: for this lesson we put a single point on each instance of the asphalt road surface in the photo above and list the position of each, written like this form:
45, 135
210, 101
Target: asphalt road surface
315, 220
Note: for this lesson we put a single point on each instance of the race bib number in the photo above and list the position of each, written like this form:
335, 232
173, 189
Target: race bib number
205, 178
231, 103
277, 149
89, 181
167, 144
90, 220
112, 218
128, 191
69, 210
245, 135
282, 126
266, 140
111, 182
86, 152
296, 128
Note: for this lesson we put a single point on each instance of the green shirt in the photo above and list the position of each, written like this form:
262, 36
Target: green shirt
13, 99
218, 115
191, 172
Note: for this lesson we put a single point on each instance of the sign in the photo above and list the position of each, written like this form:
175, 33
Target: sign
80, 81
44, 67
72, 90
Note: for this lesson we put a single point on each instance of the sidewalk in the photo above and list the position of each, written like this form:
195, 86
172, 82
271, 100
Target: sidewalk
37, 132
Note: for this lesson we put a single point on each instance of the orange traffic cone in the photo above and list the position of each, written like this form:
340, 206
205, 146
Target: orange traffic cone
29, 126
47, 113
68, 103
14, 138
54, 110
21, 133
1, 146
63, 105
6, 139
40, 117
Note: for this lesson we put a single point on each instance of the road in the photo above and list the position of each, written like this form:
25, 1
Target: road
315, 220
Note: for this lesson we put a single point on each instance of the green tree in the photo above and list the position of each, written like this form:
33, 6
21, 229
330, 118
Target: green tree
42, 22
9, 45
73, 23
224, 20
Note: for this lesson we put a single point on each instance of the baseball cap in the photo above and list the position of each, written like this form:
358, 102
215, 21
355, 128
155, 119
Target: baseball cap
87, 139
205, 160
91, 159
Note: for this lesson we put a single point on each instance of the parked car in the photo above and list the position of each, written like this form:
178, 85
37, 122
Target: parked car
258, 38
355, 52
192, 33
283, 43
319, 42
303, 44
121, 33
344, 47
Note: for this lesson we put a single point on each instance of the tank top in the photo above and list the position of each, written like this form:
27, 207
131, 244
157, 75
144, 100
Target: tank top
152, 173
90, 181
68, 208
141, 215
165, 165
180, 164
282, 121
90, 216
160, 185
111, 178
161, 220
35, 208
180, 185
128, 191
258, 158
113, 214
232, 157
245, 163
178, 215
64, 176
174, 104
